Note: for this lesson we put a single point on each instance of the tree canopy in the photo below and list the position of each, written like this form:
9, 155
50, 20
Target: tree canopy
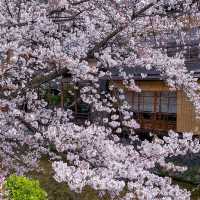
43, 41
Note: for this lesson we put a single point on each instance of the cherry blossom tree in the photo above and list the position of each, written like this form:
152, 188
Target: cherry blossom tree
43, 41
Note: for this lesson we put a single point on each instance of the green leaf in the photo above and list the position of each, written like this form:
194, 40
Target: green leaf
22, 188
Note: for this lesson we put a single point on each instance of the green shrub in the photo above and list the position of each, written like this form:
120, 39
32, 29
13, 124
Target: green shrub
22, 188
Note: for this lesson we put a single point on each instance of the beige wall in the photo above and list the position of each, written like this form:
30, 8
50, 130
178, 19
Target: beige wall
146, 85
152, 86
186, 117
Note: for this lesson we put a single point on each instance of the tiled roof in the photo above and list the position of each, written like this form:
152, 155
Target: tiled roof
173, 44
150, 74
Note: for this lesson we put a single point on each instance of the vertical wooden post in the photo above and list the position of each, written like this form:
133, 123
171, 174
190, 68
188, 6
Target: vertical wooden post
168, 101
76, 98
155, 101
155, 111
49, 94
62, 94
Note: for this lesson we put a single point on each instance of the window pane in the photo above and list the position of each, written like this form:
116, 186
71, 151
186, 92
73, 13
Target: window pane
172, 105
158, 104
168, 102
172, 108
164, 94
172, 100
135, 102
164, 107
129, 97
145, 101
164, 103
147, 94
141, 102
148, 104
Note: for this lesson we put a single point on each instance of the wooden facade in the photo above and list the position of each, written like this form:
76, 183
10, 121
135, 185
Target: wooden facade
181, 116
186, 117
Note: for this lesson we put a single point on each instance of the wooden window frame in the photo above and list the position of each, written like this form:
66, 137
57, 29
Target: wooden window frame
158, 119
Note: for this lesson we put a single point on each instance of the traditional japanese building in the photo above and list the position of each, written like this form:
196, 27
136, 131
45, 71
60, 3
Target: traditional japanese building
157, 108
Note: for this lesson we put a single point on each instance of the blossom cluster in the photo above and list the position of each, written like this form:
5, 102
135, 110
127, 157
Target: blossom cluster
44, 41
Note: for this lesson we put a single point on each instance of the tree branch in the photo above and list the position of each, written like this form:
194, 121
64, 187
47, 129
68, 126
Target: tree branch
118, 30
28, 125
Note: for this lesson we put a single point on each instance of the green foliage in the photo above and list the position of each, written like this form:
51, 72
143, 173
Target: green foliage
22, 188
54, 99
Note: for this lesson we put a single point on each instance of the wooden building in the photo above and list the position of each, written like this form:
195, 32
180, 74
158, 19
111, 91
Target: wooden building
159, 109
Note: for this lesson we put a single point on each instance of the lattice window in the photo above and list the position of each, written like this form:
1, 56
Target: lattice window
155, 110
